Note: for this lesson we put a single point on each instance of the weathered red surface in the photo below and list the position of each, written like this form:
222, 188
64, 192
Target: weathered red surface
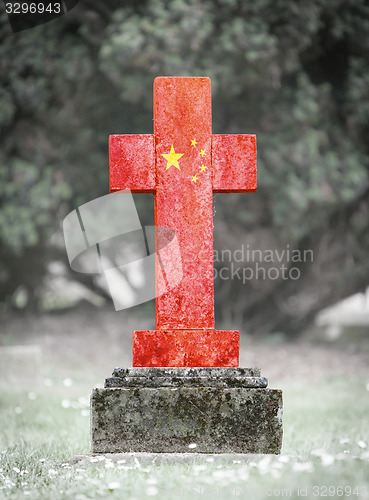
234, 163
185, 348
183, 164
132, 163
182, 115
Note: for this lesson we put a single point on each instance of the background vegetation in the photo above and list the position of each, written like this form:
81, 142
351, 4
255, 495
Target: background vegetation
294, 73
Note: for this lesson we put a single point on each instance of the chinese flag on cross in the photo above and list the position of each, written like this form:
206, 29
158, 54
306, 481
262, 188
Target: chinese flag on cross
183, 164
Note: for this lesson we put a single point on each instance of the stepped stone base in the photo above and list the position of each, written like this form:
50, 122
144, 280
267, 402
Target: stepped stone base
170, 410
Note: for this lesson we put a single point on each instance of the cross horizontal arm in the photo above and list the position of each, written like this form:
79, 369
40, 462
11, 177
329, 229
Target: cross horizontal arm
132, 163
234, 163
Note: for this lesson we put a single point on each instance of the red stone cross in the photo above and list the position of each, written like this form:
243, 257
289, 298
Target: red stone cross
183, 164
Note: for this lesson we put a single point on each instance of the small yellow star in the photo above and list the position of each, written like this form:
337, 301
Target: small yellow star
172, 158
194, 178
202, 153
193, 142
203, 168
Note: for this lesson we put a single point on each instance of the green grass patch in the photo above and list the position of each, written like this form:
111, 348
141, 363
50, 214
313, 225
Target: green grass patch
325, 451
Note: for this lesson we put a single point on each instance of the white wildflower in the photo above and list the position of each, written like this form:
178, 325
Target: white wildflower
83, 401
152, 491
277, 465
199, 467
264, 464
192, 446
340, 456
303, 467
224, 473
361, 444
114, 485
67, 382
275, 473
327, 460
243, 474
318, 453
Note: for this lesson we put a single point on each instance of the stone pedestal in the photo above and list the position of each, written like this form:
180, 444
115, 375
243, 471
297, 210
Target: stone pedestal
170, 410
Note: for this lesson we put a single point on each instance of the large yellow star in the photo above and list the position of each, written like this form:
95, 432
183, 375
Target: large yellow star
172, 158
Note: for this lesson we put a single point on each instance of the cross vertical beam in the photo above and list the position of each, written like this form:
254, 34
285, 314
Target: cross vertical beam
182, 115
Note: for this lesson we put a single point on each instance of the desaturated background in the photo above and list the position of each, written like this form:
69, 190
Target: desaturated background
294, 73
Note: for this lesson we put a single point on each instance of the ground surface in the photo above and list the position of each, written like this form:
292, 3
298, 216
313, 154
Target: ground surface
326, 406
89, 342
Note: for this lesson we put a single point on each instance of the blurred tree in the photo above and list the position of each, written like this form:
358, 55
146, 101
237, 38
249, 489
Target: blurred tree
296, 74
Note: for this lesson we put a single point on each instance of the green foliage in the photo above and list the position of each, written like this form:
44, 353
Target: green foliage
38, 194
259, 58
294, 73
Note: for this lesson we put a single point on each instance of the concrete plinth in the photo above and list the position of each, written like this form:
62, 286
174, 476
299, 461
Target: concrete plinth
165, 410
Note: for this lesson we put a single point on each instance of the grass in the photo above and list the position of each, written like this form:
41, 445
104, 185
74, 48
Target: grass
325, 451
